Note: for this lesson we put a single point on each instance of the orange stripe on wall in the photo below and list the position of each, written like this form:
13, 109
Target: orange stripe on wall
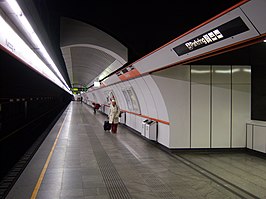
129, 74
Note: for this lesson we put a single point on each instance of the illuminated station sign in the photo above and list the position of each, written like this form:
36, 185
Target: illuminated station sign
226, 30
76, 90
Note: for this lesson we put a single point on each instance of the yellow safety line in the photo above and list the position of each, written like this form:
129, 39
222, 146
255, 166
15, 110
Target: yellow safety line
38, 184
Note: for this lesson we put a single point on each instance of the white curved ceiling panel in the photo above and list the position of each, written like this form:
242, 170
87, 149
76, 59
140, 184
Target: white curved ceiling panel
88, 63
89, 53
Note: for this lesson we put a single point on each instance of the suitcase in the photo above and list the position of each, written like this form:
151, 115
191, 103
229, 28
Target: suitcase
106, 126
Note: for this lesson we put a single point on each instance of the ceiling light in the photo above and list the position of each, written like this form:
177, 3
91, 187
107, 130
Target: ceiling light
34, 38
200, 71
15, 45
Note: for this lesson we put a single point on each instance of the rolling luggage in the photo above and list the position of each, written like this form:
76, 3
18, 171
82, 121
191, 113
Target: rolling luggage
106, 126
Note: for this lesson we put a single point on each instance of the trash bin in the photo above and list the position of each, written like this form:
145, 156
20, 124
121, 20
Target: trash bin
143, 129
151, 130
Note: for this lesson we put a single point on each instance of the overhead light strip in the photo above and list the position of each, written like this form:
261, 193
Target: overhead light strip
34, 38
15, 45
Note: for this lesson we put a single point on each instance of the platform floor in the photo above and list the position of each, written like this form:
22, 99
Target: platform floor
78, 159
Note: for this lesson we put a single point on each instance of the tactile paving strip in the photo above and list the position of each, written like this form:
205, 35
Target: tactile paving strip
114, 184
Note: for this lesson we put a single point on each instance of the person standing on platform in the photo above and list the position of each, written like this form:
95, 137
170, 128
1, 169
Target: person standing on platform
114, 113
96, 107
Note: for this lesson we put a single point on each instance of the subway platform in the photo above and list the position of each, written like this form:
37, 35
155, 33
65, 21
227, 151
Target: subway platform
78, 159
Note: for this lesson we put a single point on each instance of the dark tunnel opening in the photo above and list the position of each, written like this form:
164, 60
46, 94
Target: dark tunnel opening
29, 103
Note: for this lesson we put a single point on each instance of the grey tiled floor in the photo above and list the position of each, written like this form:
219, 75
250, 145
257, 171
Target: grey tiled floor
89, 163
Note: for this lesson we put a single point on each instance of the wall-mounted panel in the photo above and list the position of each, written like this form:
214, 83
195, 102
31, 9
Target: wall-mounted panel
256, 135
162, 113
221, 107
240, 113
249, 136
122, 102
119, 99
124, 87
131, 120
139, 123
140, 95
128, 120
164, 134
148, 97
175, 90
200, 106
259, 139
100, 96
221, 117
241, 103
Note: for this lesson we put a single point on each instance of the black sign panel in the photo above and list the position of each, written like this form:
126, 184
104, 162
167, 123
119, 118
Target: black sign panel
226, 30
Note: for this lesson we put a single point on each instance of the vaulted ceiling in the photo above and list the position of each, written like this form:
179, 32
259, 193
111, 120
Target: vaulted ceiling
89, 53
97, 37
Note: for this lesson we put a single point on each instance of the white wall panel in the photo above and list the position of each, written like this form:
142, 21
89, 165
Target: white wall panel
221, 107
162, 113
123, 85
259, 142
101, 96
148, 97
90, 98
128, 119
241, 103
164, 134
256, 135
138, 123
133, 121
200, 115
249, 136
200, 106
176, 94
119, 98
122, 102
140, 96
221, 117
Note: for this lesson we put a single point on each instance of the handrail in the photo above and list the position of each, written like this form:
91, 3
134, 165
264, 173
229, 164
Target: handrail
138, 114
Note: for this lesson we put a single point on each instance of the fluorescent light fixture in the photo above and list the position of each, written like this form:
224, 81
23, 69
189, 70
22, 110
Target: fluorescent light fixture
247, 70
97, 84
34, 38
200, 71
15, 45
234, 70
223, 71
227, 71
15, 7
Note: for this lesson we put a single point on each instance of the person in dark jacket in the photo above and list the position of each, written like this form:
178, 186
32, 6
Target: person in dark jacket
96, 106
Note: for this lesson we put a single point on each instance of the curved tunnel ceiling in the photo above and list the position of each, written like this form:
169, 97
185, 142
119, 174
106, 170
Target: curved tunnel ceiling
89, 53
142, 26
